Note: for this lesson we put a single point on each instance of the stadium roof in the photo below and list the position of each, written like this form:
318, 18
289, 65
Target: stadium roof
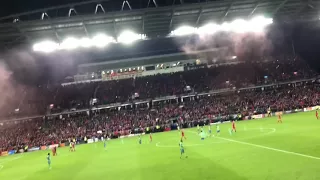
154, 20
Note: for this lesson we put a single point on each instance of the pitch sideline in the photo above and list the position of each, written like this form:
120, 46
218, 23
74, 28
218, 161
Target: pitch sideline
1, 163
269, 148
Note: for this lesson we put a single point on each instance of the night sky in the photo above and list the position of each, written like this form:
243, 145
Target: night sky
306, 40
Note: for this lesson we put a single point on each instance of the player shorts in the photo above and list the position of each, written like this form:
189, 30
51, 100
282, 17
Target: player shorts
181, 151
202, 138
210, 131
218, 131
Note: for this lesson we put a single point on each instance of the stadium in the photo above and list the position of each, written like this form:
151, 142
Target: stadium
161, 89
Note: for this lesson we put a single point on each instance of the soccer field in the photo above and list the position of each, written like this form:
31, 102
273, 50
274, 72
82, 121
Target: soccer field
261, 149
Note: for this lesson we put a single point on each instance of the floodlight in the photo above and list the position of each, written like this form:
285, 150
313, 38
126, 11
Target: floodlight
260, 20
183, 31
225, 26
240, 26
69, 43
210, 28
128, 37
85, 42
258, 23
102, 40
46, 46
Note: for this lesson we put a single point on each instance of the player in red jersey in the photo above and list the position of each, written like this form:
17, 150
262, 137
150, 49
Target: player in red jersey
73, 146
234, 126
279, 118
183, 135
317, 115
54, 151
150, 137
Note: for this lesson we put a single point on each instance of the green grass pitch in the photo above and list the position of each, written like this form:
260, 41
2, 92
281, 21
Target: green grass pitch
261, 149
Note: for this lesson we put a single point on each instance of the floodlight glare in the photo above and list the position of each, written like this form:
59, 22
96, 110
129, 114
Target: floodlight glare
262, 21
46, 46
128, 37
102, 40
258, 23
240, 26
183, 31
210, 28
225, 26
69, 43
85, 42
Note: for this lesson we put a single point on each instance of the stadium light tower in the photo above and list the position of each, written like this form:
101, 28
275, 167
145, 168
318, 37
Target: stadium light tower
128, 37
46, 46
210, 28
102, 40
69, 43
85, 42
183, 31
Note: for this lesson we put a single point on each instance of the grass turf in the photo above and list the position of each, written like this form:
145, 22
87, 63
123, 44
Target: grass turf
261, 149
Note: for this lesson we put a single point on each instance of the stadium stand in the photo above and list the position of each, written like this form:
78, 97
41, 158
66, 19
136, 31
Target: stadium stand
289, 86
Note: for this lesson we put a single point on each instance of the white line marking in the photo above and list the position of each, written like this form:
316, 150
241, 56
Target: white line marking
186, 145
8, 160
1, 167
270, 148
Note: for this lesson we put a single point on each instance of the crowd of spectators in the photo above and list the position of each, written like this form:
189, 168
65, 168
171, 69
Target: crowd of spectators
205, 79
120, 121
29, 101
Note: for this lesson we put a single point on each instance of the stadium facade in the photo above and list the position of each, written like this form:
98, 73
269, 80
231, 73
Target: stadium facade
152, 19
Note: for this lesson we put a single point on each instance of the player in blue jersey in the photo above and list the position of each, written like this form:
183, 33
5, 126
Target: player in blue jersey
182, 152
202, 135
49, 160
104, 143
140, 139
218, 129
210, 132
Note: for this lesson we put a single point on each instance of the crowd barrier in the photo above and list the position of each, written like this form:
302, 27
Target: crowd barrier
21, 151
12, 152
34, 149
4, 153
131, 135
52, 146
